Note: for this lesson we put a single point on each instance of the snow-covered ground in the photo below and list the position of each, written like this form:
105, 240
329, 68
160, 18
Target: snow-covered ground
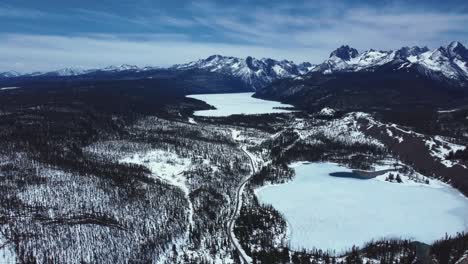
439, 148
7, 255
335, 213
8, 88
345, 130
166, 165
237, 103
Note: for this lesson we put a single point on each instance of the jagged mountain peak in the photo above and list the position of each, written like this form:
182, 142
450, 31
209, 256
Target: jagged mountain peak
345, 53
455, 49
346, 58
455, 45
217, 57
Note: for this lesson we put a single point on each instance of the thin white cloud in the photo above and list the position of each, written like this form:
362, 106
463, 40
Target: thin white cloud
24, 13
101, 16
148, 18
331, 25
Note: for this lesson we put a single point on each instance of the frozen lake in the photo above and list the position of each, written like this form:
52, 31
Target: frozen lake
335, 213
237, 103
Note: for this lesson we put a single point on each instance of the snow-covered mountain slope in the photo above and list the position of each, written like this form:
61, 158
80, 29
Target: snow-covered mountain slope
71, 71
348, 59
9, 74
255, 72
450, 62
111, 69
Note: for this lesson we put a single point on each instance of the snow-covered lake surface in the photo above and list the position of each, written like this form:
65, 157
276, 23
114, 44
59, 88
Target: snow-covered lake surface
237, 103
335, 213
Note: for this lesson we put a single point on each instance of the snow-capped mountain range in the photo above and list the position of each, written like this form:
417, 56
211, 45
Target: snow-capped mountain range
450, 62
76, 71
255, 72
445, 63
346, 58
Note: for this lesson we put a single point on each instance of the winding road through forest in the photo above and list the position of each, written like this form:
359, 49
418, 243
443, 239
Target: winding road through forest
232, 220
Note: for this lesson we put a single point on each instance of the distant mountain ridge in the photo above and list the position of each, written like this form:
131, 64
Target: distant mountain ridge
255, 73
76, 71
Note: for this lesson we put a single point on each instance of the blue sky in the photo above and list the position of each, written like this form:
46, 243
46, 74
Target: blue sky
50, 34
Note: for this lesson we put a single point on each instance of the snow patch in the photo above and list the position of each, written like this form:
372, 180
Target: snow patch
236, 135
448, 111
439, 148
165, 165
9, 88
192, 121
390, 134
327, 111
7, 254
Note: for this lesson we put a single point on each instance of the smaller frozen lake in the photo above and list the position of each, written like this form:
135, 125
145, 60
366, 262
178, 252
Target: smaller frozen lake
335, 213
236, 104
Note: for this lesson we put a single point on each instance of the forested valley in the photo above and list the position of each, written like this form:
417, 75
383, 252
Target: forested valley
122, 172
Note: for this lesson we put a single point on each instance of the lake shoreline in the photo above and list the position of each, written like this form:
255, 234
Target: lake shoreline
361, 174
